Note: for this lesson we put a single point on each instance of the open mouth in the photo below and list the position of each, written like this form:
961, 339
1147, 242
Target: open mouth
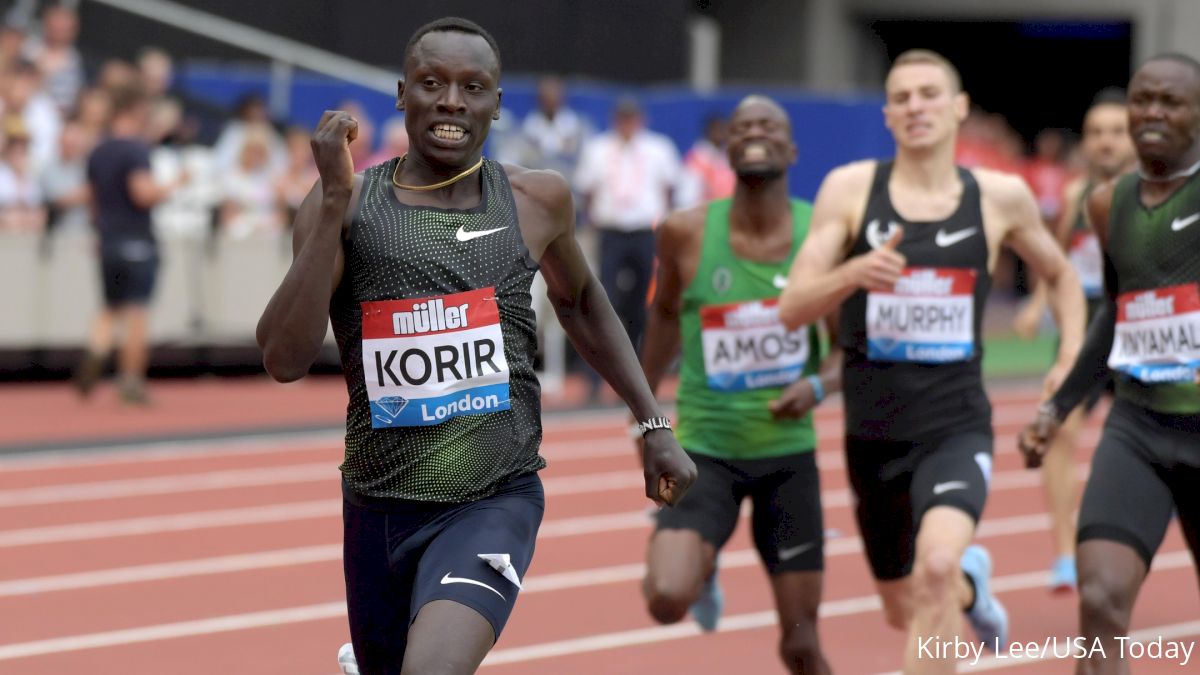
755, 152
449, 132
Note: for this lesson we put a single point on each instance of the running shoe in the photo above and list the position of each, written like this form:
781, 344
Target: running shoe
1062, 574
706, 610
987, 616
346, 660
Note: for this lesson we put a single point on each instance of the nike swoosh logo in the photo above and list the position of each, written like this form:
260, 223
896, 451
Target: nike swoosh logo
463, 235
789, 553
952, 485
459, 580
1180, 223
780, 281
942, 239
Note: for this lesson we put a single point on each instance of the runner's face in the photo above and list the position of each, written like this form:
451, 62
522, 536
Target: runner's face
450, 96
1107, 145
760, 140
1164, 110
922, 109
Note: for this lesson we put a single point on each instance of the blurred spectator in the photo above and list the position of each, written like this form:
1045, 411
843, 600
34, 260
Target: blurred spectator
627, 177
21, 204
157, 72
250, 118
12, 44
707, 174
1047, 172
986, 140
248, 196
118, 75
25, 97
175, 158
300, 174
54, 53
93, 111
123, 192
395, 142
555, 131
64, 181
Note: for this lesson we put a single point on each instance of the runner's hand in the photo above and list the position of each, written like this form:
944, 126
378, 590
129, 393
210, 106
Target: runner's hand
669, 472
1027, 321
795, 401
331, 150
1034, 440
881, 268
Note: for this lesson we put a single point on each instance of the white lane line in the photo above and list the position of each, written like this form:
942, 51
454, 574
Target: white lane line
729, 559
166, 631
274, 513
332, 610
740, 622
586, 483
1011, 407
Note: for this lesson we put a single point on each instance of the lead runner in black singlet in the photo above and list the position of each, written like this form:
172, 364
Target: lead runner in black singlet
906, 249
424, 265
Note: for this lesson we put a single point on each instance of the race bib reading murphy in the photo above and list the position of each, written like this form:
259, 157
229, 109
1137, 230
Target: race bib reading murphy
746, 347
426, 360
1158, 334
1088, 262
927, 317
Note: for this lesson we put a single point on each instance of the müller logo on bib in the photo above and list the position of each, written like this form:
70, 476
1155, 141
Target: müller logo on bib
927, 317
426, 360
1158, 334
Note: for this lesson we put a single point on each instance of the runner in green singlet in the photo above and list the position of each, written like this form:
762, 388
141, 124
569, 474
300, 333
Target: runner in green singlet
1148, 333
747, 386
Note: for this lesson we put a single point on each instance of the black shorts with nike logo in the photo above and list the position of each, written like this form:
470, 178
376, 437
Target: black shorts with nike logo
400, 555
789, 532
896, 482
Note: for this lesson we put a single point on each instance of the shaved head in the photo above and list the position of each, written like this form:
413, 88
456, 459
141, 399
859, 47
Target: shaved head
755, 100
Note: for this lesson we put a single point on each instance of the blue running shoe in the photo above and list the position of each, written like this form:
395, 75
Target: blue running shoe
706, 610
1062, 574
987, 616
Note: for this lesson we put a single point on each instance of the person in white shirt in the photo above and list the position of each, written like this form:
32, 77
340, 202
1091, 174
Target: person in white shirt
627, 177
554, 130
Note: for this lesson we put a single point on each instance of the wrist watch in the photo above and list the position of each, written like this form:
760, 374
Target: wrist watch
648, 425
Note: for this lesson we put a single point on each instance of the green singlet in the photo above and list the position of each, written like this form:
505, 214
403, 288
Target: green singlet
1156, 255
737, 356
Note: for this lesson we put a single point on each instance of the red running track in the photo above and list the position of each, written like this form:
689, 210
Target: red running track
224, 557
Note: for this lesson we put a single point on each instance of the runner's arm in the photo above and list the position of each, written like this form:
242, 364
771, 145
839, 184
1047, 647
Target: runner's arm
661, 342
1091, 366
293, 325
817, 284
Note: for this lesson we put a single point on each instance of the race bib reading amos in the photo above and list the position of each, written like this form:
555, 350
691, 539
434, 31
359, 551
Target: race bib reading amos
427, 360
1158, 334
746, 347
927, 317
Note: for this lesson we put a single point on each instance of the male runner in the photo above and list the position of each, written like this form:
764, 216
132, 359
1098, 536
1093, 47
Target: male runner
906, 249
1148, 333
746, 387
1108, 151
423, 264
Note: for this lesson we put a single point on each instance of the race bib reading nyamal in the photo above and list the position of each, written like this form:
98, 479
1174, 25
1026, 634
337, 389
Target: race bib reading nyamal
1158, 334
426, 360
927, 317
746, 347
1084, 254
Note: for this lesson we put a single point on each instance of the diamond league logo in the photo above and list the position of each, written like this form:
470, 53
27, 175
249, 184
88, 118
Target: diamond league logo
392, 406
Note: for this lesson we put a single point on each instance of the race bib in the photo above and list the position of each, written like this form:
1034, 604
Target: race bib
746, 347
1084, 254
1158, 334
427, 360
927, 317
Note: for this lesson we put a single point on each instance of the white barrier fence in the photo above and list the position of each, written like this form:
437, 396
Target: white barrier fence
210, 292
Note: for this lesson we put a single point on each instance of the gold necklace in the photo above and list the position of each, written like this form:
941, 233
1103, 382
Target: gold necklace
435, 186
